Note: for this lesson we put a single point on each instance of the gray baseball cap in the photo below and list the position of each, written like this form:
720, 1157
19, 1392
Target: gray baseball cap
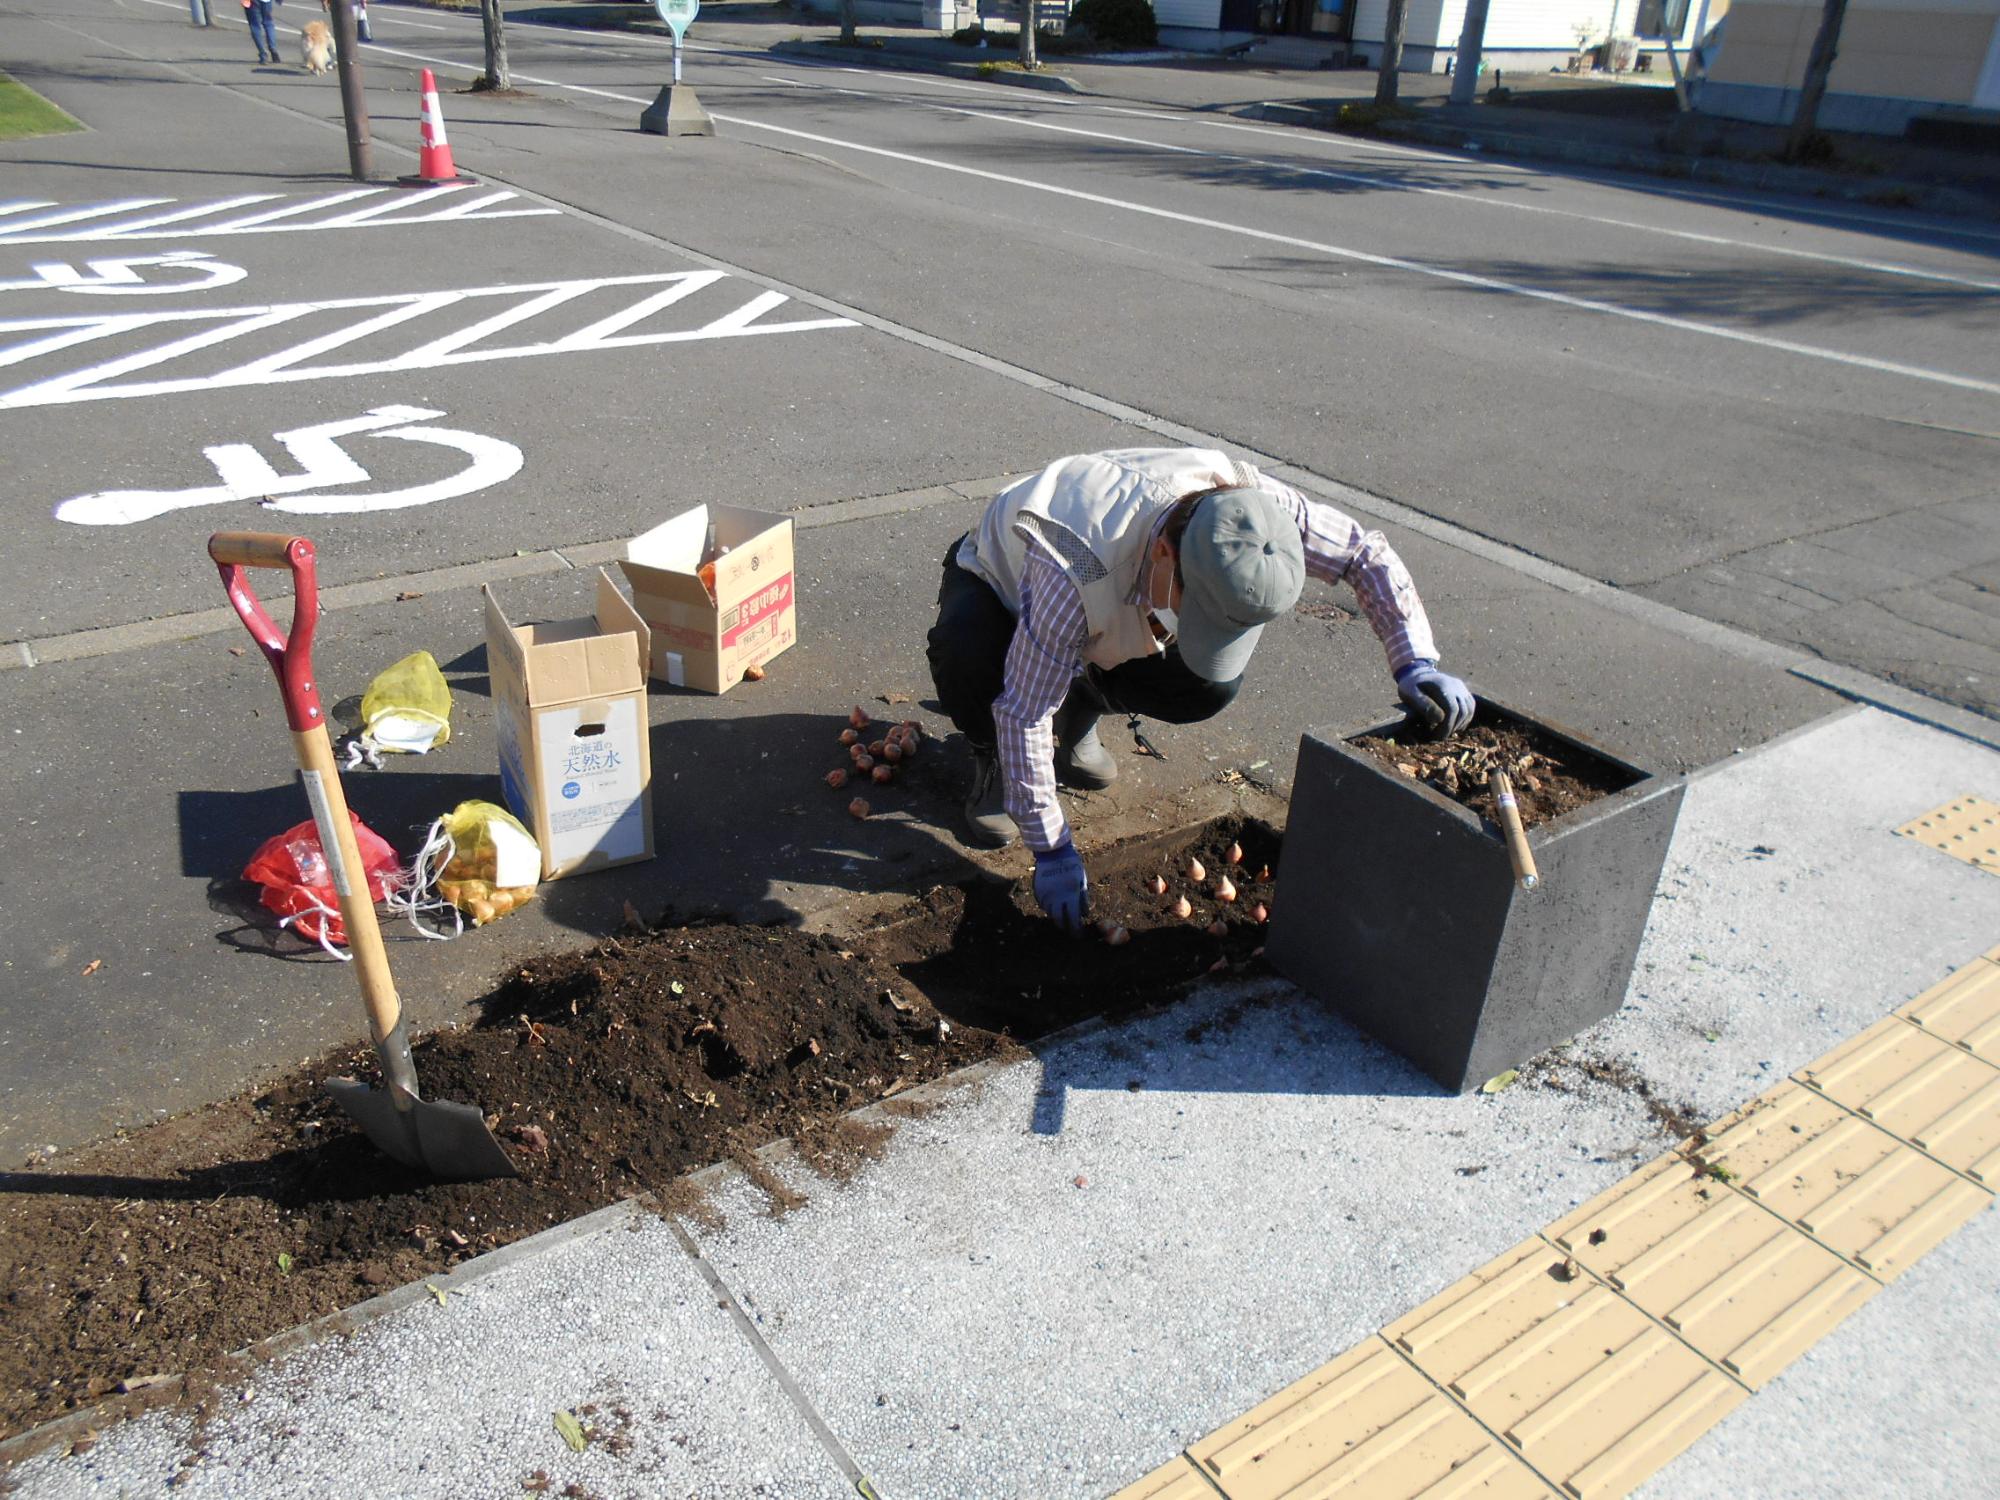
1242, 565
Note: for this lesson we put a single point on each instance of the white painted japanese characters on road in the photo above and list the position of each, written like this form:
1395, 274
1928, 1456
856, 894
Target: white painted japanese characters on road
323, 465
609, 308
119, 276
39, 222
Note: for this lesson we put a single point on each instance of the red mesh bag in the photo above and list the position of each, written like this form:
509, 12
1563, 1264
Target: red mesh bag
297, 885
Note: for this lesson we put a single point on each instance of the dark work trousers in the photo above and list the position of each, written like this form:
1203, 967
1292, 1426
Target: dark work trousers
968, 656
262, 32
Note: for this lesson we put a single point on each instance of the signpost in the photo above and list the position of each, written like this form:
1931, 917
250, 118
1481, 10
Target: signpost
677, 111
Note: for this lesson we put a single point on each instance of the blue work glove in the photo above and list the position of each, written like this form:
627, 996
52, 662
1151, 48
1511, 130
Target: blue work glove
1062, 888
1442, 703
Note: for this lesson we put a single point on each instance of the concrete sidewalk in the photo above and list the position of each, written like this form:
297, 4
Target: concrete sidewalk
1078, 1265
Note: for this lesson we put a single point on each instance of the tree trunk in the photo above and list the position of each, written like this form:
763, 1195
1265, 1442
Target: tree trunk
1392, 52
495, 26
847, 23
1471, 42
1819, 63
1028, 34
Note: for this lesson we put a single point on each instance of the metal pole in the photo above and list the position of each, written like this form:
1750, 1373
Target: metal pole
677, 57
353, 104
198, 12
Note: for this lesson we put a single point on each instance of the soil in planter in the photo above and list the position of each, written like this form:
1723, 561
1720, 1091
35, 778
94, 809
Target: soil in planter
1550, 776
606, 1073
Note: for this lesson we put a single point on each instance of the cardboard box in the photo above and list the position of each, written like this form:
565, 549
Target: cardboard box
569, 700
706, 643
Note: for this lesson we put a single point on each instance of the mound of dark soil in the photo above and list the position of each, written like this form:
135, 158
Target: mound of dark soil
606, 1073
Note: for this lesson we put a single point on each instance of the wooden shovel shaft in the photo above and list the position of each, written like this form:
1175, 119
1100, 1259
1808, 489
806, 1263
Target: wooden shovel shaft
350, 878
1517, 836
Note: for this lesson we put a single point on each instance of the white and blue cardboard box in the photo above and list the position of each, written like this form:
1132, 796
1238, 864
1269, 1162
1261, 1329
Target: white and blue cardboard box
569, 701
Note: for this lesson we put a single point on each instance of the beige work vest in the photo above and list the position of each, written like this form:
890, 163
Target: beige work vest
1095, 513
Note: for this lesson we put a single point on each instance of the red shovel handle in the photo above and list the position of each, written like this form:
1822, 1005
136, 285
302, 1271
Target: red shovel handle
290, 656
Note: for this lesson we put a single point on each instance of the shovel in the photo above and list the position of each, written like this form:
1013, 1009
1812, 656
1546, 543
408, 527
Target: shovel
447, 1140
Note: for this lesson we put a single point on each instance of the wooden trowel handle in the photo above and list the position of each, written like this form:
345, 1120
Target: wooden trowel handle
1517, 836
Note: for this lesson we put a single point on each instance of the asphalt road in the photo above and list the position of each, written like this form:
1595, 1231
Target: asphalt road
1777, 421
1572, 401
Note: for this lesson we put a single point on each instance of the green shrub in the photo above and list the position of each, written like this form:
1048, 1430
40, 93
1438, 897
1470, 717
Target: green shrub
969, 36
1116, 23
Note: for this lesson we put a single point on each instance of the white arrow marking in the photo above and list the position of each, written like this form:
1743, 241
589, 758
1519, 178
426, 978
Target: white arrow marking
323, 464
120, 277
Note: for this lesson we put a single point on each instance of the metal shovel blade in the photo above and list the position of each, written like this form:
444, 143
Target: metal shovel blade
447, 1140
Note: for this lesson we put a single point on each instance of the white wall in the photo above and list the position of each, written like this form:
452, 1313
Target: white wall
1538, 24
1204, 13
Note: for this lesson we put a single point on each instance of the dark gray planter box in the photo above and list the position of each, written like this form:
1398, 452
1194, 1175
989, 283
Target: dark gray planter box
1398, 907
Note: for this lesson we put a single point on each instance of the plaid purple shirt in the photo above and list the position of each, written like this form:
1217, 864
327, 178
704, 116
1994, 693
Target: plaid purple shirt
1049, 641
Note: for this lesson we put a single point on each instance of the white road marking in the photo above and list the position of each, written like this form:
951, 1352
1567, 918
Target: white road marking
1485, 283
1391, 262
211, 327
1459, 195
118, 277
456, 203
323, 465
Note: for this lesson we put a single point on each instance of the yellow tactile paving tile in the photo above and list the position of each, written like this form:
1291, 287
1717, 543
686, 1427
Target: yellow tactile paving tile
1594, 1393
1365, 1427
1851, 1185
1178, 1480
1926, 1091
1966, 828
1964, 1009
1737, 1282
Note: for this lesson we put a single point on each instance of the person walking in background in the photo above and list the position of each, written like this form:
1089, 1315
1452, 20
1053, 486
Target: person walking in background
262, 32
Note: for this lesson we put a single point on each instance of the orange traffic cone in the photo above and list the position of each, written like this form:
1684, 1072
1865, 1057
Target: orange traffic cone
434, 160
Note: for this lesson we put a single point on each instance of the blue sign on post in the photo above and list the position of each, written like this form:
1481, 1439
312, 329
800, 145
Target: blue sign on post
679, 15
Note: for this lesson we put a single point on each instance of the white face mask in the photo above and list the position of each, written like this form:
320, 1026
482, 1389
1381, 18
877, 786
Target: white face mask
1169, 620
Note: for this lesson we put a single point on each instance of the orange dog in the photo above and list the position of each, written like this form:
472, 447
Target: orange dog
318, 48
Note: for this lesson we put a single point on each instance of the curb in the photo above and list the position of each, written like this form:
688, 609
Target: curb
1890, 192
1055, 83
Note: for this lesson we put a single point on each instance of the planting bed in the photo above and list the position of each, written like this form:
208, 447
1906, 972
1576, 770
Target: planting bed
1550, 777
607, 1073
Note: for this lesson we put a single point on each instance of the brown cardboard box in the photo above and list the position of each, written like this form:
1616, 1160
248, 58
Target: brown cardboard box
569, 699
706, 643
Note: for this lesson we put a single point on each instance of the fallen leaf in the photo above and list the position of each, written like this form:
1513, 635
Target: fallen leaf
536, 1483
406, 596
437, 1291
571, 1430
753, 674
92, 967
285, 1262
897, 698
235, 650
632, 917
678, 988
456, 1238
1500, 1081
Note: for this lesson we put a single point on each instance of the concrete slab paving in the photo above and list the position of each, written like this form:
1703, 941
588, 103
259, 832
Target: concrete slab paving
460, 1399
1063, 1271
1894, 1403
